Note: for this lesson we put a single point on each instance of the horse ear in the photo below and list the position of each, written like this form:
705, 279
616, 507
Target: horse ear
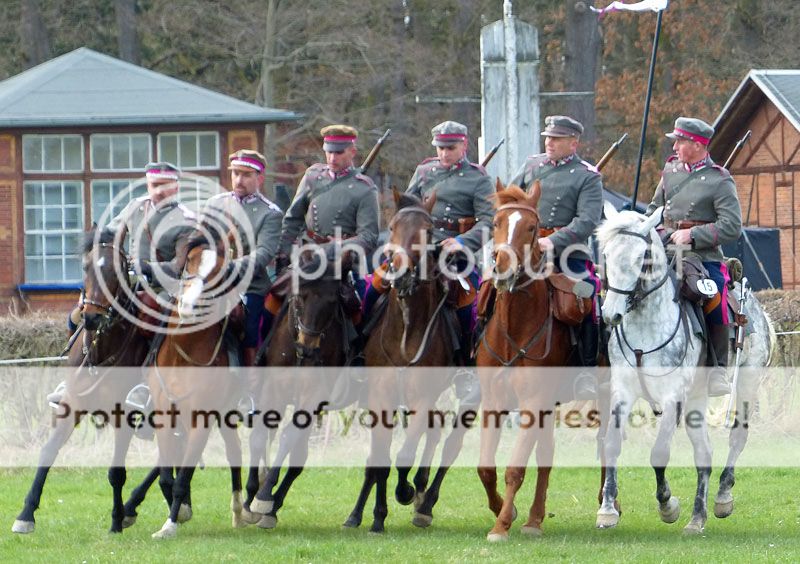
429, 202
396, 194
535, 193
498, 185
653, 220
609, 210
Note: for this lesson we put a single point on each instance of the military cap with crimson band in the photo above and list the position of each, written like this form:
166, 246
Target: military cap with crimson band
562, 126
249, 160
161, 171
338, 137
693, 129
448, 133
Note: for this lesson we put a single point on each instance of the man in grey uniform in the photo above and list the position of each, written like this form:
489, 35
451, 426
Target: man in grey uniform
334, 201
701, 210
258, 222
570, 209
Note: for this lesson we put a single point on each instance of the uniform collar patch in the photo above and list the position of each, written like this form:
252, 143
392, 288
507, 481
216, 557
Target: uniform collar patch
341, 174
563, 161
696, 166
248, 199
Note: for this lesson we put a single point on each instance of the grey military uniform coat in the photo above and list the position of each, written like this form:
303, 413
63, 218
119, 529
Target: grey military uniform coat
708, 195
324, 203
571, 200
264, 222
462, 192
168, 225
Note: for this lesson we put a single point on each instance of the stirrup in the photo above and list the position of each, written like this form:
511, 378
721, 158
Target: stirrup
54, 398
718, 384
138, 397
584, 387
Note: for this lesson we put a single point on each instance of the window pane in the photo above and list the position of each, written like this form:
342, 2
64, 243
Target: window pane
33, 245
140, 151
52, 194
53, 269
72, 244
72, 218
72, 193
120, 146
52, 219
208, 150
34, 219
168, 149
52, 245
34, 270
188, 151
52, 153
33, 194
73, 268
73, 155
32, 152
101, 152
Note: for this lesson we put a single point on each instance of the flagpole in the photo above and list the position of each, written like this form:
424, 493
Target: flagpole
646, 109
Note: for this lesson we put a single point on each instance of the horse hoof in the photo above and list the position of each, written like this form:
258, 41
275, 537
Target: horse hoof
168, 531
513, 513
249, 517
419, 498
23, 527
497, 537
422, 521
607, 520
267, 522
531, 531
128, 521
723, 506
405, 496
377, 529
671, 510
352, 523
184, 512
261, 506
695, 527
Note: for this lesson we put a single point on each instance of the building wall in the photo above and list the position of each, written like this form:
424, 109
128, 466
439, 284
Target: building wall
766, 173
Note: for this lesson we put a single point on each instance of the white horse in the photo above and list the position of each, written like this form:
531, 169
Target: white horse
650, 331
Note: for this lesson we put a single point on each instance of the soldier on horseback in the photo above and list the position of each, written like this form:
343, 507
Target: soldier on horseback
570, 208
702, 212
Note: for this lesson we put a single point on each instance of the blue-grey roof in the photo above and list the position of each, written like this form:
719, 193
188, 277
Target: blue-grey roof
85, 87
781, 86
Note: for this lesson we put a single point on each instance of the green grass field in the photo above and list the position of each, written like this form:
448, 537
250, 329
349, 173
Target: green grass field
74, 517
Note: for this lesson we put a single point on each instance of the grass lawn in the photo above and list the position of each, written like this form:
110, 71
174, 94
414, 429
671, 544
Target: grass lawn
74, 517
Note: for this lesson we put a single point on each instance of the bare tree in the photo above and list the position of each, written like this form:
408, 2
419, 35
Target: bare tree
581, 58
127, 35
33, 34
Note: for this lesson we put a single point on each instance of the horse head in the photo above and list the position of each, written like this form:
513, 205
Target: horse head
516, 234
205, 277
410, 237
631, 248
105, 269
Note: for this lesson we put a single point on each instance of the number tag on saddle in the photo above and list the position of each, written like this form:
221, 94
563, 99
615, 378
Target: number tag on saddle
707, 287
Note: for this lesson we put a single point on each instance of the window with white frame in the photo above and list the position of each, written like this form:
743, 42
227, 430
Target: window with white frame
53, 231
52, 153
120, 152
190, 150
196, 190
109, 197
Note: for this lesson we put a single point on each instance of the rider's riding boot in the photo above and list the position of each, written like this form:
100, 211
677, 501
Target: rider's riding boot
467, 385
73, 320
249, 356
718, 378
585, 385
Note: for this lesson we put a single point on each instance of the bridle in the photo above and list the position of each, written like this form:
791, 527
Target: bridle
519, 256
637, 294
413, 275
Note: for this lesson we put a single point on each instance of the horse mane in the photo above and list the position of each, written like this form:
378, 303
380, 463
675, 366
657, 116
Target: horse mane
197, 239
408, 201
624, 220
106, 237
511, 194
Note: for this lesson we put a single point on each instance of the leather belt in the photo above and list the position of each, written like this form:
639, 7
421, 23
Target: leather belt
686, 224
321, 239
547, 231
459, 225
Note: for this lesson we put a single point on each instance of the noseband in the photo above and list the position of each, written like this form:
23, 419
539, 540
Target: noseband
520, 258
637, 294
108, 310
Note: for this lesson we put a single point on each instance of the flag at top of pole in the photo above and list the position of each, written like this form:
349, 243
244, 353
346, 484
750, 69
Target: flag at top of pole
643, 6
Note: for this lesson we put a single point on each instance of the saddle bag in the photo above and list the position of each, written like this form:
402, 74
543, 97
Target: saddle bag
486, 299
570, 299
694, 280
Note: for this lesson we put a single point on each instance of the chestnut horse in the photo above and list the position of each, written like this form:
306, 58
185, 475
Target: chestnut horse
196, 339
418, 318
535, 339
311, 332
106, 340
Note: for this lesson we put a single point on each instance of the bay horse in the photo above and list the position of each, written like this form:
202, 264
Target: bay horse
653, 354
106, 341
190, 377
310, 332
518, 343
419, 320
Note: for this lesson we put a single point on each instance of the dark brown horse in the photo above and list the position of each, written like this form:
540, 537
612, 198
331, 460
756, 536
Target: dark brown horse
311, 332
196, 339
535, 339
416, 329
106, 341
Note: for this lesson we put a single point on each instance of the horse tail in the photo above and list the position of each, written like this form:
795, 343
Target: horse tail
773, 339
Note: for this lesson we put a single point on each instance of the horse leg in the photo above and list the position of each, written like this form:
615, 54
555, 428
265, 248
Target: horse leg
423, 473
264, 500
603, 407
487, 467
723, 503
258, 449
545, 444
622, 400
233, 453
450, 451
137, 497
698, 435
25, 522
297, 462
404, 492
117, 475
668, 505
